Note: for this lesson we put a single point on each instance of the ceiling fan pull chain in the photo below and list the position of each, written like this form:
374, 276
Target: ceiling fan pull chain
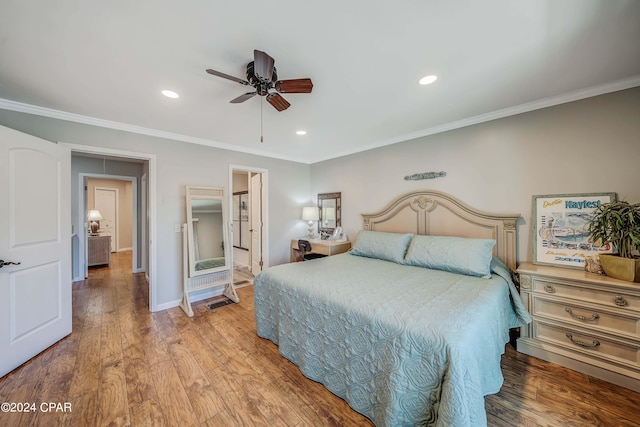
261, 136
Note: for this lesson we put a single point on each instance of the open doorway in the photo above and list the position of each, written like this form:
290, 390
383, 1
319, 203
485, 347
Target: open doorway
249, 224
103, 163
113, 199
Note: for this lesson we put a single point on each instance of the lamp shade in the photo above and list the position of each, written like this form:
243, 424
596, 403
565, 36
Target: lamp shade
310, 213
94, 215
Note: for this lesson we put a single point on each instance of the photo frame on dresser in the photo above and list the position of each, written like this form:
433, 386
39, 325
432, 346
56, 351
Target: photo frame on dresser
560, 222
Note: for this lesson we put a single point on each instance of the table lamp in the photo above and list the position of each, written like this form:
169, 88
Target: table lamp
310, 213
93, 218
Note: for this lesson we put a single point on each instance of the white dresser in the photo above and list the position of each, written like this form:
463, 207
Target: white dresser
99, 251
585, 322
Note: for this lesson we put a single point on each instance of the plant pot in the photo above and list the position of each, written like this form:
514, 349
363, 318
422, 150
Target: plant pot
621, 268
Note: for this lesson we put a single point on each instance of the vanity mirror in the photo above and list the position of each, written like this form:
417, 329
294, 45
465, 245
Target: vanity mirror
207, 253
329, 211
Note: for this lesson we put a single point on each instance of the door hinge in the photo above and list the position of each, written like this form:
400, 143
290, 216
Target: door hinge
260, 263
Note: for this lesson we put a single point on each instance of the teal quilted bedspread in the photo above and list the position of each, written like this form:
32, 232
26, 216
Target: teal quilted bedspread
206, 264
404, 346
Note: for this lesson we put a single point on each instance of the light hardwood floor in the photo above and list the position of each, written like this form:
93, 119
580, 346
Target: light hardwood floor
125, 366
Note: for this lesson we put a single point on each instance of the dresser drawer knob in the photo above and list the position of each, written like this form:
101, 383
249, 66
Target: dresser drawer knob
594, 316
549, 289
594, 343
620, 301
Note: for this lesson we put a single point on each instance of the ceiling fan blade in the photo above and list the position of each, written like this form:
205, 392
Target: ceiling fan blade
263, 65
227, 76
294, 86
278, 102
243, 98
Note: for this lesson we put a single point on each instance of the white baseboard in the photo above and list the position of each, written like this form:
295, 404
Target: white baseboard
167, 305
194, 297
124, 249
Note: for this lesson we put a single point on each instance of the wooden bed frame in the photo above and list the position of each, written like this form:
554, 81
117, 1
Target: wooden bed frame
430, 212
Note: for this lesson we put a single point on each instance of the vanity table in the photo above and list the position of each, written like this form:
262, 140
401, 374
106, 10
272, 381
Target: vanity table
330, 218
324, 247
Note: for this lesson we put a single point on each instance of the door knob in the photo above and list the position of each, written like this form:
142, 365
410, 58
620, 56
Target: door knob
3, 263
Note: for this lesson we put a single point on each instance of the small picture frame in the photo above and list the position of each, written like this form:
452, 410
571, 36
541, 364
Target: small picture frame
560, 224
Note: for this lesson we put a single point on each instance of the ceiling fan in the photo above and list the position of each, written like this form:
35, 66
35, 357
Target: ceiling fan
261, 75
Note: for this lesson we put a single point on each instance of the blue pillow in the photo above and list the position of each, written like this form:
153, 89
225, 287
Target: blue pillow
461, 255
381, 245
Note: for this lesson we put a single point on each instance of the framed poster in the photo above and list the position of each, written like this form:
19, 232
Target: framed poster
560, 224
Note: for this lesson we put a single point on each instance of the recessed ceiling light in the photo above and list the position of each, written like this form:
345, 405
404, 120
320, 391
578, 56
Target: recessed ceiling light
301, 132
170, 94
427, 80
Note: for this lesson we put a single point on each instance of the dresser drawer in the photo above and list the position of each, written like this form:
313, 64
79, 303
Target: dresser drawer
595, 295
593, 345
583, 321
598, 318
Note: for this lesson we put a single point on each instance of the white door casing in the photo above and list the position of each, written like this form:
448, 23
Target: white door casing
35, 230
143, 231
149, 220
256, 223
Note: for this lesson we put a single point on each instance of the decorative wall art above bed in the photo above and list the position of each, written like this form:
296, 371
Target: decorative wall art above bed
407, 328
424, 175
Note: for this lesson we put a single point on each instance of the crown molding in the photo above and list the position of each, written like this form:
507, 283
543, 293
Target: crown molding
628, 83
499, 114
20, 107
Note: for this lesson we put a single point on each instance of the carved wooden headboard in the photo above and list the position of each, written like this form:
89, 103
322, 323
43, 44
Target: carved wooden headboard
430, 212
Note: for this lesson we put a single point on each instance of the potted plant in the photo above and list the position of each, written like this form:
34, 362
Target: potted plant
618, 224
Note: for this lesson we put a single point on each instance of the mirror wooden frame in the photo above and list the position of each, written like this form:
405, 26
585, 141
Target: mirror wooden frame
338, 199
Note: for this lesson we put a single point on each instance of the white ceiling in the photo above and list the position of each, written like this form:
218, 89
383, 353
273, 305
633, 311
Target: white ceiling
105, 62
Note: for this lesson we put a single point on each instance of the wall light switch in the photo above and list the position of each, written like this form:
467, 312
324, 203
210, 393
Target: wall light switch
177, 228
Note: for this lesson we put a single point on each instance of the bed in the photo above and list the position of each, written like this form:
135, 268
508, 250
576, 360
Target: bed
387, 328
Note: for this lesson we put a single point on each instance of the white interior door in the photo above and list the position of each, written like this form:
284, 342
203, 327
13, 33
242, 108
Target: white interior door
256, 223
106, 201
35, 230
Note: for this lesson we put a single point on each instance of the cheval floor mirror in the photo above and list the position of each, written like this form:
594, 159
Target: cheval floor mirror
207, 261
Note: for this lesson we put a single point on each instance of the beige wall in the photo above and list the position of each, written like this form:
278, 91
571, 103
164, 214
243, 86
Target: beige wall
586, 146
125, 207
240, 181
179, 164
592, 145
